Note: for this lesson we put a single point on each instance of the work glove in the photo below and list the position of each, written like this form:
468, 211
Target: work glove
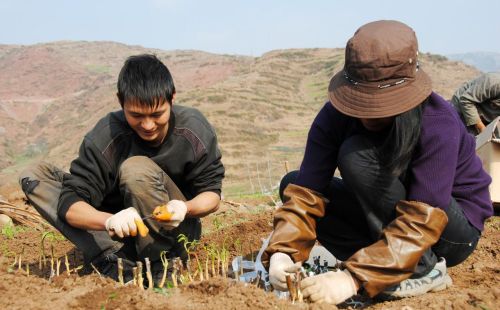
332, 287
280, 266
178, 209
122, 223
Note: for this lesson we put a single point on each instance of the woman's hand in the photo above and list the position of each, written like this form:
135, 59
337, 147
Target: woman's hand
280, 266
332, 287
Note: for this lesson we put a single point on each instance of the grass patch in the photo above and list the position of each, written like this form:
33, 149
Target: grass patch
100, 69
9, 231
288, 149
295, 133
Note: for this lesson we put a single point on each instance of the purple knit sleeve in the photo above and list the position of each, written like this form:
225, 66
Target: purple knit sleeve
434, 163
320, 158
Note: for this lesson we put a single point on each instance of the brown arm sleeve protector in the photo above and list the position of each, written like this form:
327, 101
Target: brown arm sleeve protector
394, 257
295, 224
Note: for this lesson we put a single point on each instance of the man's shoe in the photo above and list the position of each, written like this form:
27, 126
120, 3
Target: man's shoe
436, 280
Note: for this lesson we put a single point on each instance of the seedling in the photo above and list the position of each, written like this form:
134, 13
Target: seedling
134, 271
45, 235
10, 230
20, 260
217, 223
224, 257
15, 262
188, 246
140, 280
212, 252
120, 271
192, 247
164, 262
207, 258
40, 262
52, 270
182, 279
91, 265
239, 249
294, 287
148, 274
176, 270
66, 262
58, 265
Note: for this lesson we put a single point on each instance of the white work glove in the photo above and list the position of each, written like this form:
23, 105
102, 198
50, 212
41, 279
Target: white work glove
122, 223
332, 287
178, 209
280, 266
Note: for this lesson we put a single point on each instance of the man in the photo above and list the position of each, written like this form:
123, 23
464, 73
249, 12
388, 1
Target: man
478, 101
150, 153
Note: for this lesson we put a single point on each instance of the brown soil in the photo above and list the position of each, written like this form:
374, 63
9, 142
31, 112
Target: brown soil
475, 281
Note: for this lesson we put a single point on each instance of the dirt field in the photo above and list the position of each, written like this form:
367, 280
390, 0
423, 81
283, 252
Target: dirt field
241, 228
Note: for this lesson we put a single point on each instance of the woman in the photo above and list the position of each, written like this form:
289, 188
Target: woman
413, 196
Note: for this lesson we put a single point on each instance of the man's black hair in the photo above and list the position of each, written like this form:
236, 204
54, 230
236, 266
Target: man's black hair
146, 80
398, 148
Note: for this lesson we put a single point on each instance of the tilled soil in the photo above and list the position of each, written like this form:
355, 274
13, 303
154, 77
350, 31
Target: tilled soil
475, 281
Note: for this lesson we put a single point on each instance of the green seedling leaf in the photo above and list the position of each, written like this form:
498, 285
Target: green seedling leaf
10, 230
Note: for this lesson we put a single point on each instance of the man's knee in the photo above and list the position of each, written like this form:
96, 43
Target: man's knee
30, 177
138, 170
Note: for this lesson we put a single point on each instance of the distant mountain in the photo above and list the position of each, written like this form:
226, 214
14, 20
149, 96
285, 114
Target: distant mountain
262, 107
484, 61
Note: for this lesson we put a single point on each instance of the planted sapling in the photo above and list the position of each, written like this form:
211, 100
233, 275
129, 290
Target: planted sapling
148, 274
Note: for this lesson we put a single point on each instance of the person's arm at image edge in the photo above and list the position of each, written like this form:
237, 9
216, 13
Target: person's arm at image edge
483, 89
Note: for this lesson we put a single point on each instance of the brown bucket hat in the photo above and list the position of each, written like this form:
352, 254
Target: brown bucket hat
381, 77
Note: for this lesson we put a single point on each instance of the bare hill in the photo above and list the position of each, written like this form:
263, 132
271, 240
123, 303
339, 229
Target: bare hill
52, 94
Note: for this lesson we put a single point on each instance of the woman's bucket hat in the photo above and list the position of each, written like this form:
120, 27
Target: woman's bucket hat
381, 75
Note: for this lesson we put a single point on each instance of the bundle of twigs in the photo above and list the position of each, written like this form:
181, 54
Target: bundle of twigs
25, 217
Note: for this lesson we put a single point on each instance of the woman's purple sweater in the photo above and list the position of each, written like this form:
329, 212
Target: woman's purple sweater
444, 163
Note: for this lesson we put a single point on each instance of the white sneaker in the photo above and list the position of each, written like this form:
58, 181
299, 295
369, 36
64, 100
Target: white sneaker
436, 280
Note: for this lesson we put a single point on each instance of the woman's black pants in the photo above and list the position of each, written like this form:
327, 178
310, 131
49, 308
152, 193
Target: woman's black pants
363, 202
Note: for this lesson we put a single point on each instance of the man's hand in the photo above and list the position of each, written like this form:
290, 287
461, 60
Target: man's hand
280, 266
332, 287
123, 223
178, 209
480, 126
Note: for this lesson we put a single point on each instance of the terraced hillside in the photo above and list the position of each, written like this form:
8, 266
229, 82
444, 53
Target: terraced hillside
52, 94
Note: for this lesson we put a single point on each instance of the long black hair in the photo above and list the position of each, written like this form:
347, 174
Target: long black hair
396, 151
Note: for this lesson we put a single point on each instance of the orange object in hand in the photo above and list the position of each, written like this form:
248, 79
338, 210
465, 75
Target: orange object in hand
141, 227
162, 214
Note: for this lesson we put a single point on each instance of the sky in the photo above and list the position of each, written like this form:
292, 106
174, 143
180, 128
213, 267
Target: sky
249, 27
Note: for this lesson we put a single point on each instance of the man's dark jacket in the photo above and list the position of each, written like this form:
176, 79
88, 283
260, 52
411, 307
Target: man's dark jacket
189, 154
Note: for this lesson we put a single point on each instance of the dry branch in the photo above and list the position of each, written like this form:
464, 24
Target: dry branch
23, 216
232, 203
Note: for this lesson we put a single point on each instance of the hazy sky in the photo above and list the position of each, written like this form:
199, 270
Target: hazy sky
249, 27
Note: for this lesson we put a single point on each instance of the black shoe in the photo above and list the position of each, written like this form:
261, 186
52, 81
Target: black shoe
107, 265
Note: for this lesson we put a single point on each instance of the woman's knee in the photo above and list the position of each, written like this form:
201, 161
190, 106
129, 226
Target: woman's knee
459, 239
455, 252
357, 159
